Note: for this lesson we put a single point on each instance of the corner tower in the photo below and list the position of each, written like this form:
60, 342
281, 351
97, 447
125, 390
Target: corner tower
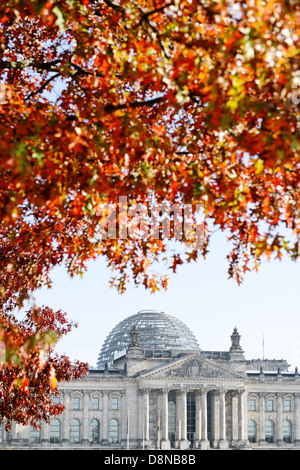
236, 354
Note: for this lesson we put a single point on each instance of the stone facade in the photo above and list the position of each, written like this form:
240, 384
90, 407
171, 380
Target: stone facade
191, 399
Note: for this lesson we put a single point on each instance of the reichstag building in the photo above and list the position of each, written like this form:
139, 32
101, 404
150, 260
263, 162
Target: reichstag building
154, 388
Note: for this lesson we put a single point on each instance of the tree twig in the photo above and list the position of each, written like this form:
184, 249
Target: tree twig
135, 104
42, 87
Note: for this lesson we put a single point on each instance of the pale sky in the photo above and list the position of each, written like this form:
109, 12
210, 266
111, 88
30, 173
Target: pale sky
200, 294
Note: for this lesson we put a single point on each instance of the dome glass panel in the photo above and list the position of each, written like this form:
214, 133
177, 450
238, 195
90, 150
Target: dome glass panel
158, 333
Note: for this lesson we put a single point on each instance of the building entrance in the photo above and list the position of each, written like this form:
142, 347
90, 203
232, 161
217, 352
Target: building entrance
174, 429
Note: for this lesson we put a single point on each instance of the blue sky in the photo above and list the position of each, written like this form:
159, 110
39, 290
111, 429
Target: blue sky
200, 294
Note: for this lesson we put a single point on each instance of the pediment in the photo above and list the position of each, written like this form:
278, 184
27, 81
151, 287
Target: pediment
193, 366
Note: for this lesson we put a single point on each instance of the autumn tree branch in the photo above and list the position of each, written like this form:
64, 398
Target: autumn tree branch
145, 17
42, 87
158, 10
135, 104
26, 63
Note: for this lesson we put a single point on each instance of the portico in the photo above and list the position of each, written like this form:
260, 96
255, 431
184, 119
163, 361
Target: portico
202, 424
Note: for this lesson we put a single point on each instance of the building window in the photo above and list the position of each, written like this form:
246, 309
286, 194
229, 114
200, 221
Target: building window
56, 400
74, 431
94, 431
172, 415
287, 405
34, 435
75, 403
113, 431
269, 428
55, 431
270, 405
114, 403
252, 431
95, 403
1, 432
287, 431
252, 405
191, 416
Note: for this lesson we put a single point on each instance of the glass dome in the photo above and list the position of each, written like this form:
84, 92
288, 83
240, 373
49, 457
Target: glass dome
158, 334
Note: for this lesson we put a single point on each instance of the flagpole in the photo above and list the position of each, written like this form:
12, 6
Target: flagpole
127, 429
158, 443
143, 424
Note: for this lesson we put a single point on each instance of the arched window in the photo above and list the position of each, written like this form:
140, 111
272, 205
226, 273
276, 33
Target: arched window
113, 431
94, 431
269, 429
1, 432
252, 431
287, 431
34, 435
55, 430
75, 431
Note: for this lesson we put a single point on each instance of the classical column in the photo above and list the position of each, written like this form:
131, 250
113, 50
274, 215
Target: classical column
245, 402
5, 434
66, 419
85, 423
215, 419
297, 420
144, 416
13, 433
105, 418
183, 443
223, 441
262, 433
45, 434
241, 418
279, 420
23, 434
235, 419
204, 440
147, 410
165, 443
127, 429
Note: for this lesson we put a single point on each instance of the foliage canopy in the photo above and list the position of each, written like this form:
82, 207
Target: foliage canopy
187, 102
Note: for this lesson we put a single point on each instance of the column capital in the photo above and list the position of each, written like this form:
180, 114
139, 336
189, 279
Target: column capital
144, 393
223, 444
182, 391
144, 390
